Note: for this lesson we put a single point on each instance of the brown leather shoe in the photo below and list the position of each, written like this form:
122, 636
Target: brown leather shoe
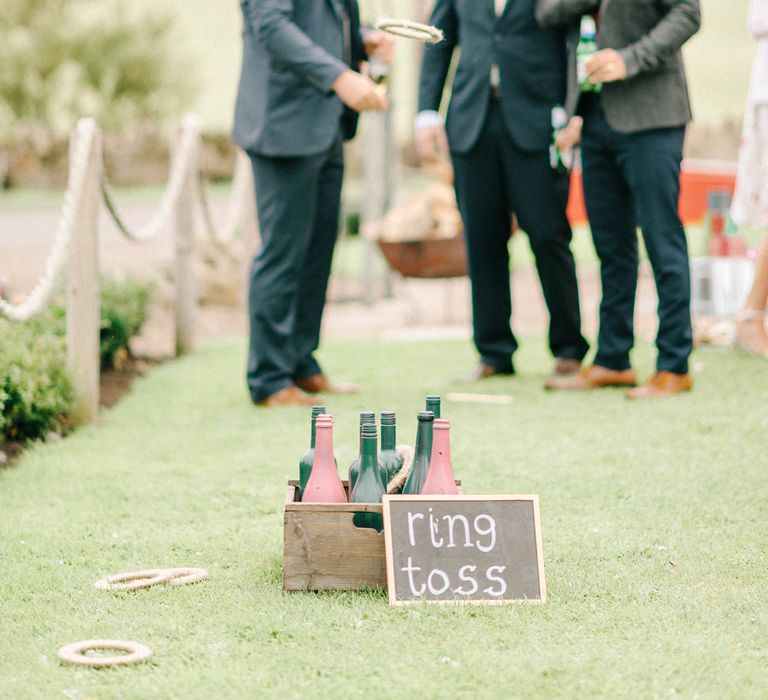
662, 384
319, 384
289, 396
566, 367
593, 377
482, 371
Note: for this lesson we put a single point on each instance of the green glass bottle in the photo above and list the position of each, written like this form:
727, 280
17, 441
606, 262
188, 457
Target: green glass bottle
432, 404
586, 47
389, 456
366, 417
305, 463
420, 464
561, 161
368, 487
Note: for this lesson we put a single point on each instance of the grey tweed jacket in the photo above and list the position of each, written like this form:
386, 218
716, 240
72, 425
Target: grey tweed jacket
648, 34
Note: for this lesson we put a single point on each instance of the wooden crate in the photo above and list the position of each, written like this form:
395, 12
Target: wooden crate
323, 550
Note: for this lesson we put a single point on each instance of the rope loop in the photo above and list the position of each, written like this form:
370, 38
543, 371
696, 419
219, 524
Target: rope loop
85, 136
410, 30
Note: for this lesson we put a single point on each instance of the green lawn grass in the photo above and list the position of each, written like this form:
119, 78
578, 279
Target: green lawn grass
655, 524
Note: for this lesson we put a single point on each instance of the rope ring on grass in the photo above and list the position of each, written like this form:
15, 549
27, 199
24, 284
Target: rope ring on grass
410, 30
74, 653
183, 576
134, 580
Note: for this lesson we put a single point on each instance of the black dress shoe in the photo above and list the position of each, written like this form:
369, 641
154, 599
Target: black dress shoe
482, 371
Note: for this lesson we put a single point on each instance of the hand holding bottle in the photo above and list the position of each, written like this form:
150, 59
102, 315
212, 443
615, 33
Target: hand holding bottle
569, 137
605, 66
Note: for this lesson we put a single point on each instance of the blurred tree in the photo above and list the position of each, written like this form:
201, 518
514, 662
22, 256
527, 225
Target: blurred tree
65, 59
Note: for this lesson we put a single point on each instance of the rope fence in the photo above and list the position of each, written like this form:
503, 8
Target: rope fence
184, 211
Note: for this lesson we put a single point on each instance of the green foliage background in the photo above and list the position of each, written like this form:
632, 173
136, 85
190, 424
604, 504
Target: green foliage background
35, 390
64, 59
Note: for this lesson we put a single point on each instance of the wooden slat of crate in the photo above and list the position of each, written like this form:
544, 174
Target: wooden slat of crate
323, 550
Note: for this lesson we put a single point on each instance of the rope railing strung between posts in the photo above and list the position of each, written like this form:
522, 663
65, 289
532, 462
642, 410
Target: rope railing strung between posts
184, 210
35, 301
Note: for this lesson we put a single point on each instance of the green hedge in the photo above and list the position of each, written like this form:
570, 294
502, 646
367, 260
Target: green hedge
35, 390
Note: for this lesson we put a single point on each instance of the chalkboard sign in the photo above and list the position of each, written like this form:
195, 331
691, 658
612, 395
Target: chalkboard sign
472, 549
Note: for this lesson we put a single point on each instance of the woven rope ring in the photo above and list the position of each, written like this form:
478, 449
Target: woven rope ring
134, 580
410, 30
75, 653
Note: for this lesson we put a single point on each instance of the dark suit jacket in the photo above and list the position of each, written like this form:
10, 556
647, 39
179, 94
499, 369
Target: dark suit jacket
648, 34
293, 51
532, 64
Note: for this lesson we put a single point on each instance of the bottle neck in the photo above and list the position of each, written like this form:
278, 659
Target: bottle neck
423, 434
368, 454
314, 433
441, 447
388, 437
324, 445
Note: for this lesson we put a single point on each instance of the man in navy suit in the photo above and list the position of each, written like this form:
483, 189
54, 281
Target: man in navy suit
632, 148
510, 75
299, 95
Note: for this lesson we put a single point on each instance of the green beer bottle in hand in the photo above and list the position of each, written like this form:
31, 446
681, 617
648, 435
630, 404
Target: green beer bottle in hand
586, 47
559, 160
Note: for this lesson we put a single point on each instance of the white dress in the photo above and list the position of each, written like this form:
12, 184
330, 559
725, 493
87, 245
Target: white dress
750, 200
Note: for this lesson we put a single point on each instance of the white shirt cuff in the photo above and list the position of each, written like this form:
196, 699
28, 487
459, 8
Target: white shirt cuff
427, 118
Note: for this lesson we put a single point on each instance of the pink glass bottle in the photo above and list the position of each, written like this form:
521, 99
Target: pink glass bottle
324, 485
440, 479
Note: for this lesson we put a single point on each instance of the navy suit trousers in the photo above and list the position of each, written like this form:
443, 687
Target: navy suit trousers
493, 180
298, 206
633, 180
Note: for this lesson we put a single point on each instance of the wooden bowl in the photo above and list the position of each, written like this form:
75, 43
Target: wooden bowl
433, 257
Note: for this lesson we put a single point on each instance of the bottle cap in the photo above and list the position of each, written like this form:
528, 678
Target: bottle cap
559, 117
387, 417
588, 27
324, 419
367, 417
433, 397
368, 430
426, 416
317, 410
441, 424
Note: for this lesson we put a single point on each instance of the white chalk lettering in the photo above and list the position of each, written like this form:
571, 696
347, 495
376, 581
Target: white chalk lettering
411, 533
411, 569
452, 519
467, 579
433, 523
502, 583
446, 582
490, 530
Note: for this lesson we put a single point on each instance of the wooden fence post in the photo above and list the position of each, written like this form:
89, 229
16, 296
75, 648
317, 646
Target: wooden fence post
83, 290
186, 285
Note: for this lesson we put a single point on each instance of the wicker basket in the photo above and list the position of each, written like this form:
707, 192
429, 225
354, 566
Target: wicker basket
431, 257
